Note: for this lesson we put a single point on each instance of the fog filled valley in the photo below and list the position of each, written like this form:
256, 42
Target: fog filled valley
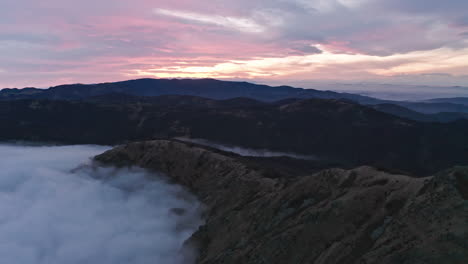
57, 207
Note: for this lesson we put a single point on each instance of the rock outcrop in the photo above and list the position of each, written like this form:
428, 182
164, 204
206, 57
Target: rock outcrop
333, 216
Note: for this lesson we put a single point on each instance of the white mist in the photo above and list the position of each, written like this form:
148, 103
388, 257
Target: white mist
55, 209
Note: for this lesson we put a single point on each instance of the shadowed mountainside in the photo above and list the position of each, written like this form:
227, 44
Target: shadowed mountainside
333, 216
336, 131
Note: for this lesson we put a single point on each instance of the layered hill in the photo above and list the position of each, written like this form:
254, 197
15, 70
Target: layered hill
218, 90
335, 131
442, 117
454, 100
333, 216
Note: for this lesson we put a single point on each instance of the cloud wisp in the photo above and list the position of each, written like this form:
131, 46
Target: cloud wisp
54, 212
235, 23
247, 152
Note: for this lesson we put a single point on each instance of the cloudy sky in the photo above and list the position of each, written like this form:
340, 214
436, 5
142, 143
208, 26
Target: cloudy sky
49, 42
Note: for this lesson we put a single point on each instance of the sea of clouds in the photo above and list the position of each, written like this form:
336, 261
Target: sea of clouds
56, 208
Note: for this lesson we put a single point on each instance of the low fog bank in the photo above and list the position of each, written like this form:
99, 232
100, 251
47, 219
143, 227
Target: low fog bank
246, 151
55, 210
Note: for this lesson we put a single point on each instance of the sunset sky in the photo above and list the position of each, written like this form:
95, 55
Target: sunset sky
50, 42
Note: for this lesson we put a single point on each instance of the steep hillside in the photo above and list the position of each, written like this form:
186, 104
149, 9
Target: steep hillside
334, 216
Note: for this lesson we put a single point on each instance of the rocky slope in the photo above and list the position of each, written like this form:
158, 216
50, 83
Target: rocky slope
333, 216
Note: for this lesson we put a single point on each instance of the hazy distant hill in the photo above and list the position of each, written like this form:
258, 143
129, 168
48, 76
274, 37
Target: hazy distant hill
434, 107
455, 100
401, 111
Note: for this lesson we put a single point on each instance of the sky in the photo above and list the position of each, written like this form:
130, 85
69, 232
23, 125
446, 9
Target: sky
51, 42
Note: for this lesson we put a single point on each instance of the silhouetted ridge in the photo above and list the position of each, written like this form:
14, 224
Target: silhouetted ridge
209, 88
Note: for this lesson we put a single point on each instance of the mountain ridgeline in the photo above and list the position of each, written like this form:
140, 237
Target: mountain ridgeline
209, 88
336, 131
437, 110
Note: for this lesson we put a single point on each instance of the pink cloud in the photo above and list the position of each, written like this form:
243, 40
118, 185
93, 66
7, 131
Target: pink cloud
52, 41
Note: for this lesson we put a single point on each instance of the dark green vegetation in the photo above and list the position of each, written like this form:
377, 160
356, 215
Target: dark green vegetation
337, 131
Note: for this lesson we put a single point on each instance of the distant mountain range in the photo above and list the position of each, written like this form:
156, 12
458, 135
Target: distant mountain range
208, 88
413, 137
445, 110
